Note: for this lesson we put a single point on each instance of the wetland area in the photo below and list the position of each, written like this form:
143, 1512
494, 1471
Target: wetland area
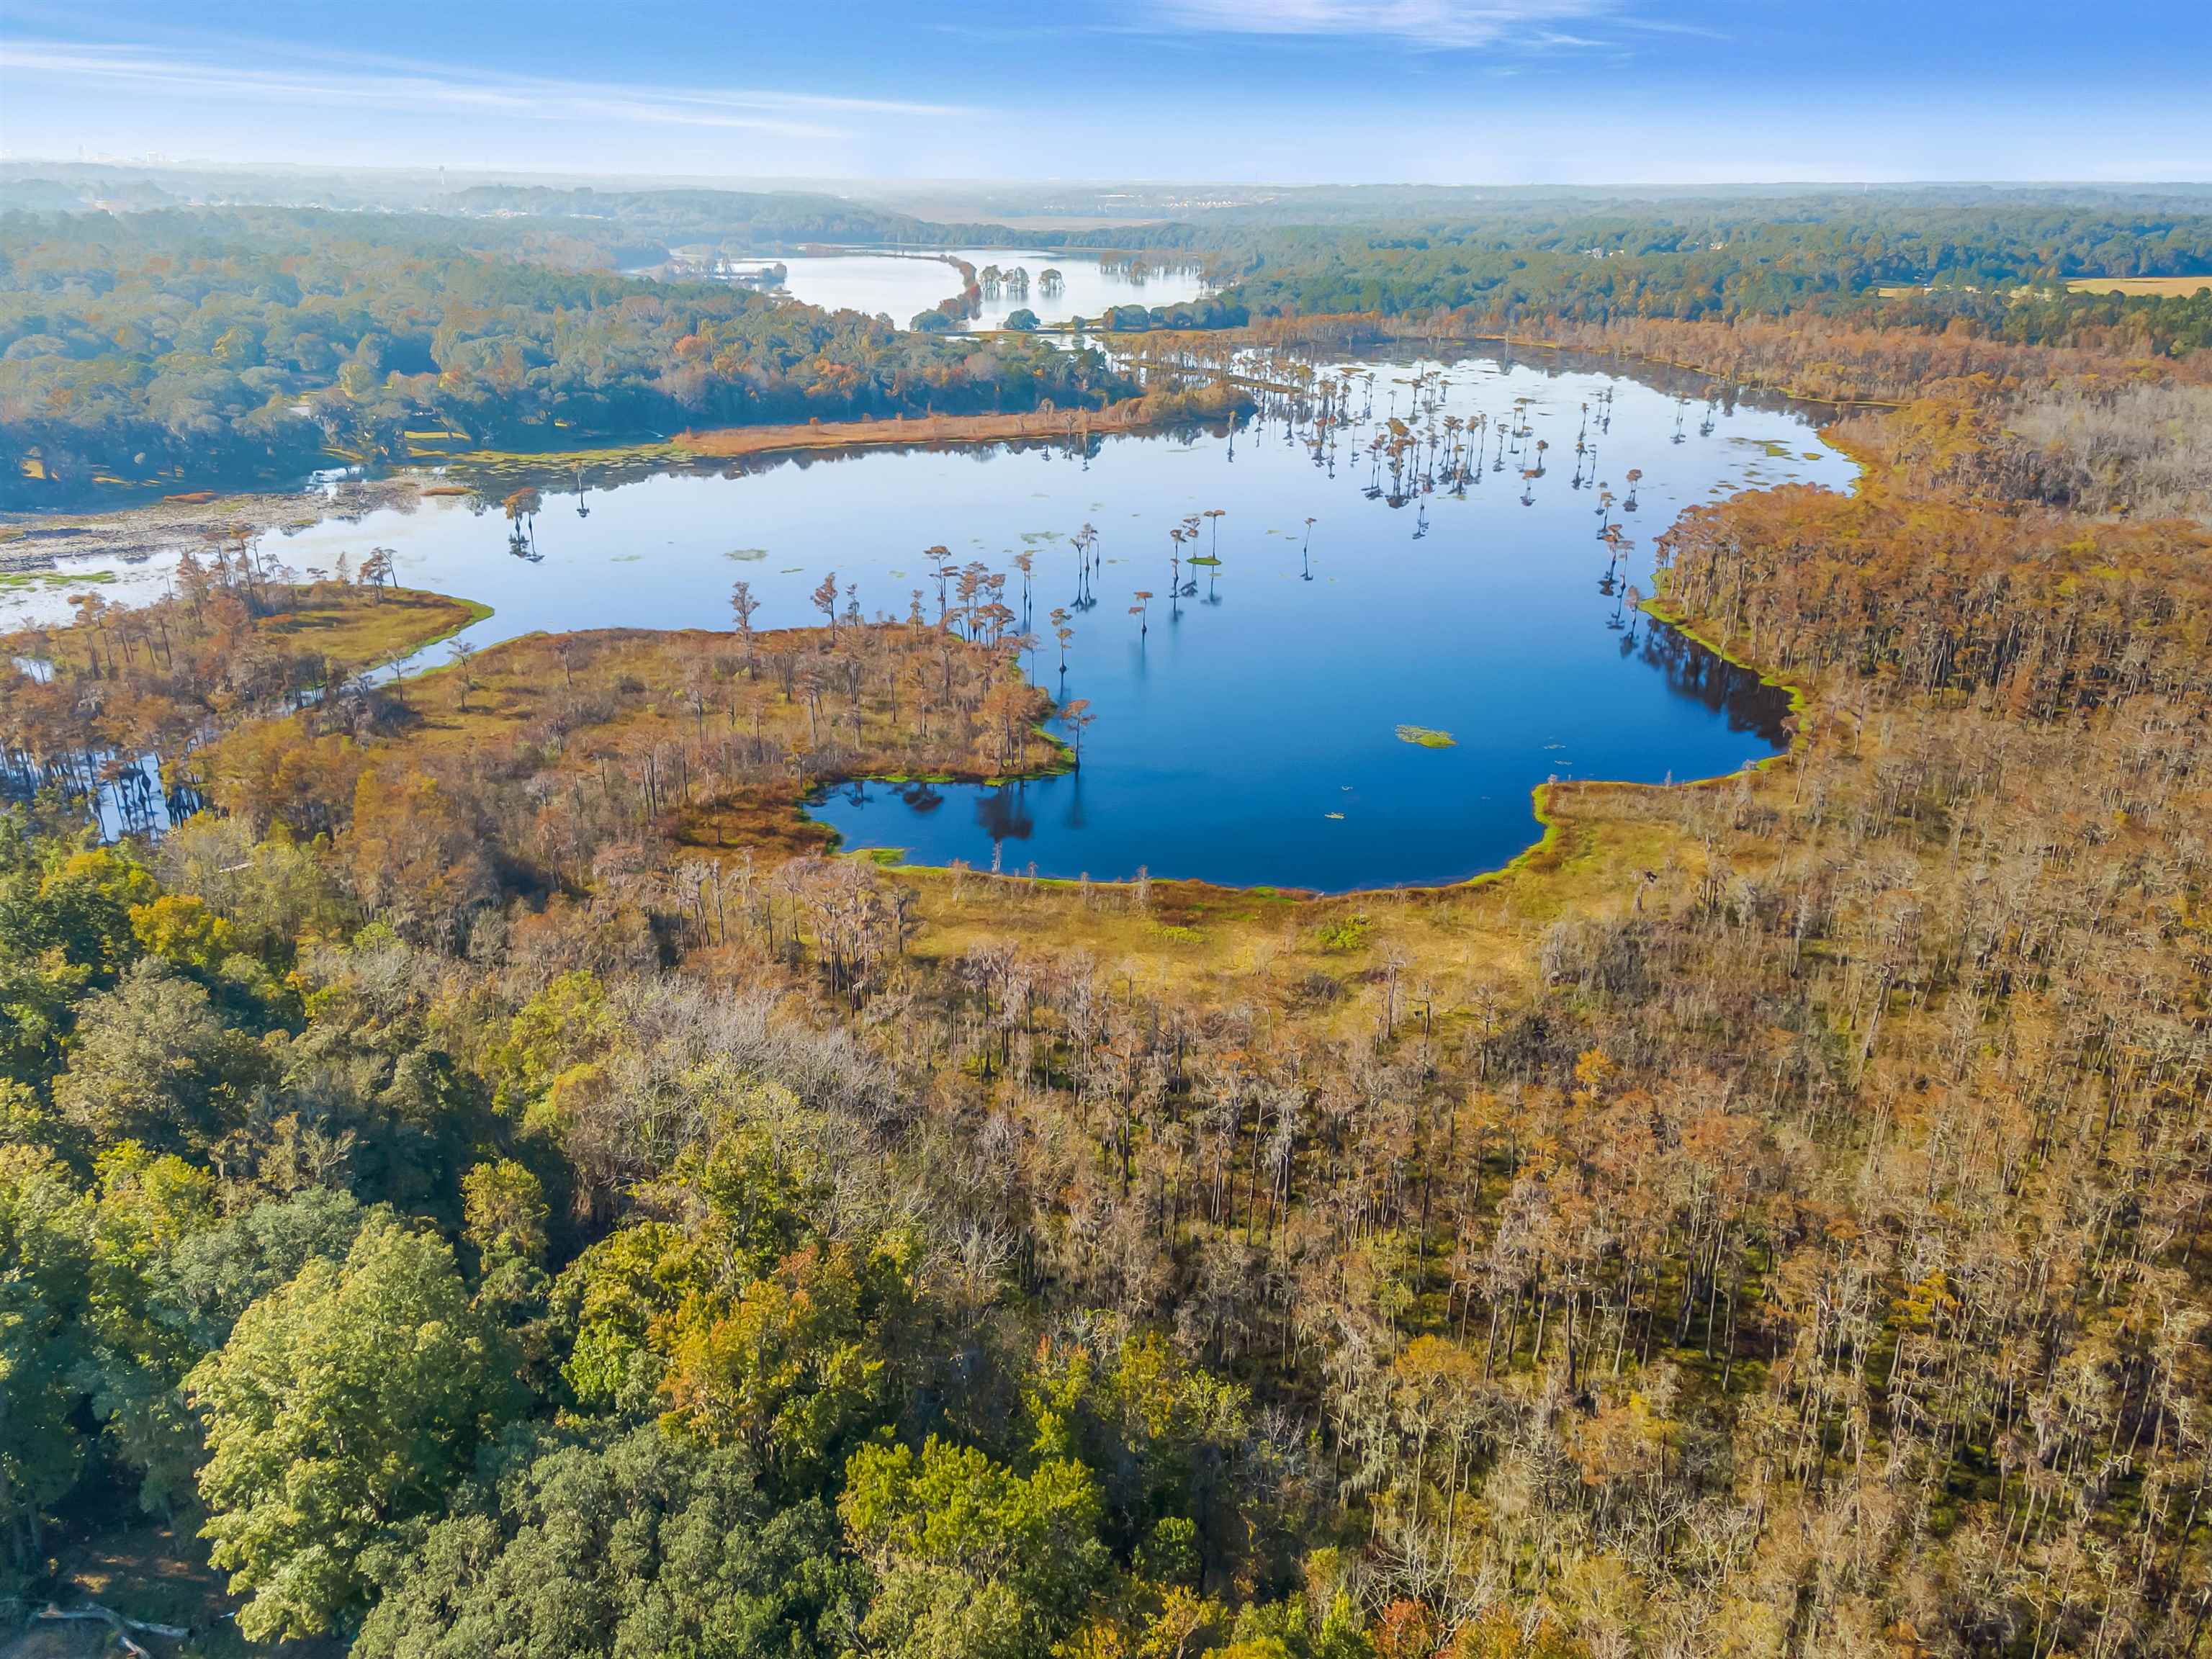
1392, 615
899, 285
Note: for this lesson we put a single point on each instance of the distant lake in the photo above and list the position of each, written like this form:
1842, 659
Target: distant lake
901, 284
1252, 735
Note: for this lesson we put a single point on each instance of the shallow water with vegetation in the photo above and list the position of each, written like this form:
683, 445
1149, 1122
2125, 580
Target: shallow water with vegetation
899, 285
1353, 676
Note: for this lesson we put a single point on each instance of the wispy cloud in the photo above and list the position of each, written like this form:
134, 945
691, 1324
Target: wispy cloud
1431, 25
1669, 26
427, 88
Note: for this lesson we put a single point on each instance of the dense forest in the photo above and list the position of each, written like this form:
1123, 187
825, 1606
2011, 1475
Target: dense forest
490, 1180
204, 347
779, 218
195, 347
1751, 259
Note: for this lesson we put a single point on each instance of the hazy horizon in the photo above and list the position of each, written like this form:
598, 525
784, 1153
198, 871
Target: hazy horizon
1601, 93
630, 179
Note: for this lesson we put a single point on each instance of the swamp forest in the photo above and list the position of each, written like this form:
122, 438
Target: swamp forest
1372, 923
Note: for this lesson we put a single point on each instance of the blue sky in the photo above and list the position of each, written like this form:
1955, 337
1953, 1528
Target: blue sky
1442, 91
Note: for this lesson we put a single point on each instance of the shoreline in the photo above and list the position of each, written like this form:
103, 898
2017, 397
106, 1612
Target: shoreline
1124, 415
1553, 817
1550, 799
33, 540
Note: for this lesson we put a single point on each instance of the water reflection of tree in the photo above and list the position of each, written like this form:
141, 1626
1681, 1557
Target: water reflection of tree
922, 796
1692, 670
1005, 815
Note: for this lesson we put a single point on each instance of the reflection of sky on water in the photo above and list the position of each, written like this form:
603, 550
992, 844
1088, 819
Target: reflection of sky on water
900, 285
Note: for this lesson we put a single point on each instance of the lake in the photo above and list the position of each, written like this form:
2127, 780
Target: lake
1248, 727
901, 284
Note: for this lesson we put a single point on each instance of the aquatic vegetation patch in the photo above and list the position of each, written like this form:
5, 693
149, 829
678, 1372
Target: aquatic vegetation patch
1427, 736
1344, 935
746, 554
16, 580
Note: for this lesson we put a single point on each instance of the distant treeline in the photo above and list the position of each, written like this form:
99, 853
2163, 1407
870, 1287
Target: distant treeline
780, 218
1207, 312
1998, 268
255, 343
226, 345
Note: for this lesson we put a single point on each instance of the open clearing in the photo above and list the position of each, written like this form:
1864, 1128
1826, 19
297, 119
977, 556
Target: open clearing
2168, 288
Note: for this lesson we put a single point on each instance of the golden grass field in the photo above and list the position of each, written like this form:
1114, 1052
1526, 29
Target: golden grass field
361, 631
355, 628
729, 443
2164, 288
1598, 849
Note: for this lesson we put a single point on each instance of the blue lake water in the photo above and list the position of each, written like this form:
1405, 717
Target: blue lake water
1249, 735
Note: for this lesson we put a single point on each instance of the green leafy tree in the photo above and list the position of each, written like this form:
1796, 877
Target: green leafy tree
745, 1207
169, 1280
1164, 1435
210, 1279
748, 1327
344, 1402
145, 1206
1294, 1630
65, 929
972, 1561
180, 929
503, 1214
504, 1208
45, 1289
790, 1366
642, 1548
567, 1024
77, 904
151, 1060
612, 1298
38, 992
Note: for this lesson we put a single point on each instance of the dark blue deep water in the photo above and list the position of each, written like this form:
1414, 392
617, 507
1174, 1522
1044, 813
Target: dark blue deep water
1251, 736
1320, 792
